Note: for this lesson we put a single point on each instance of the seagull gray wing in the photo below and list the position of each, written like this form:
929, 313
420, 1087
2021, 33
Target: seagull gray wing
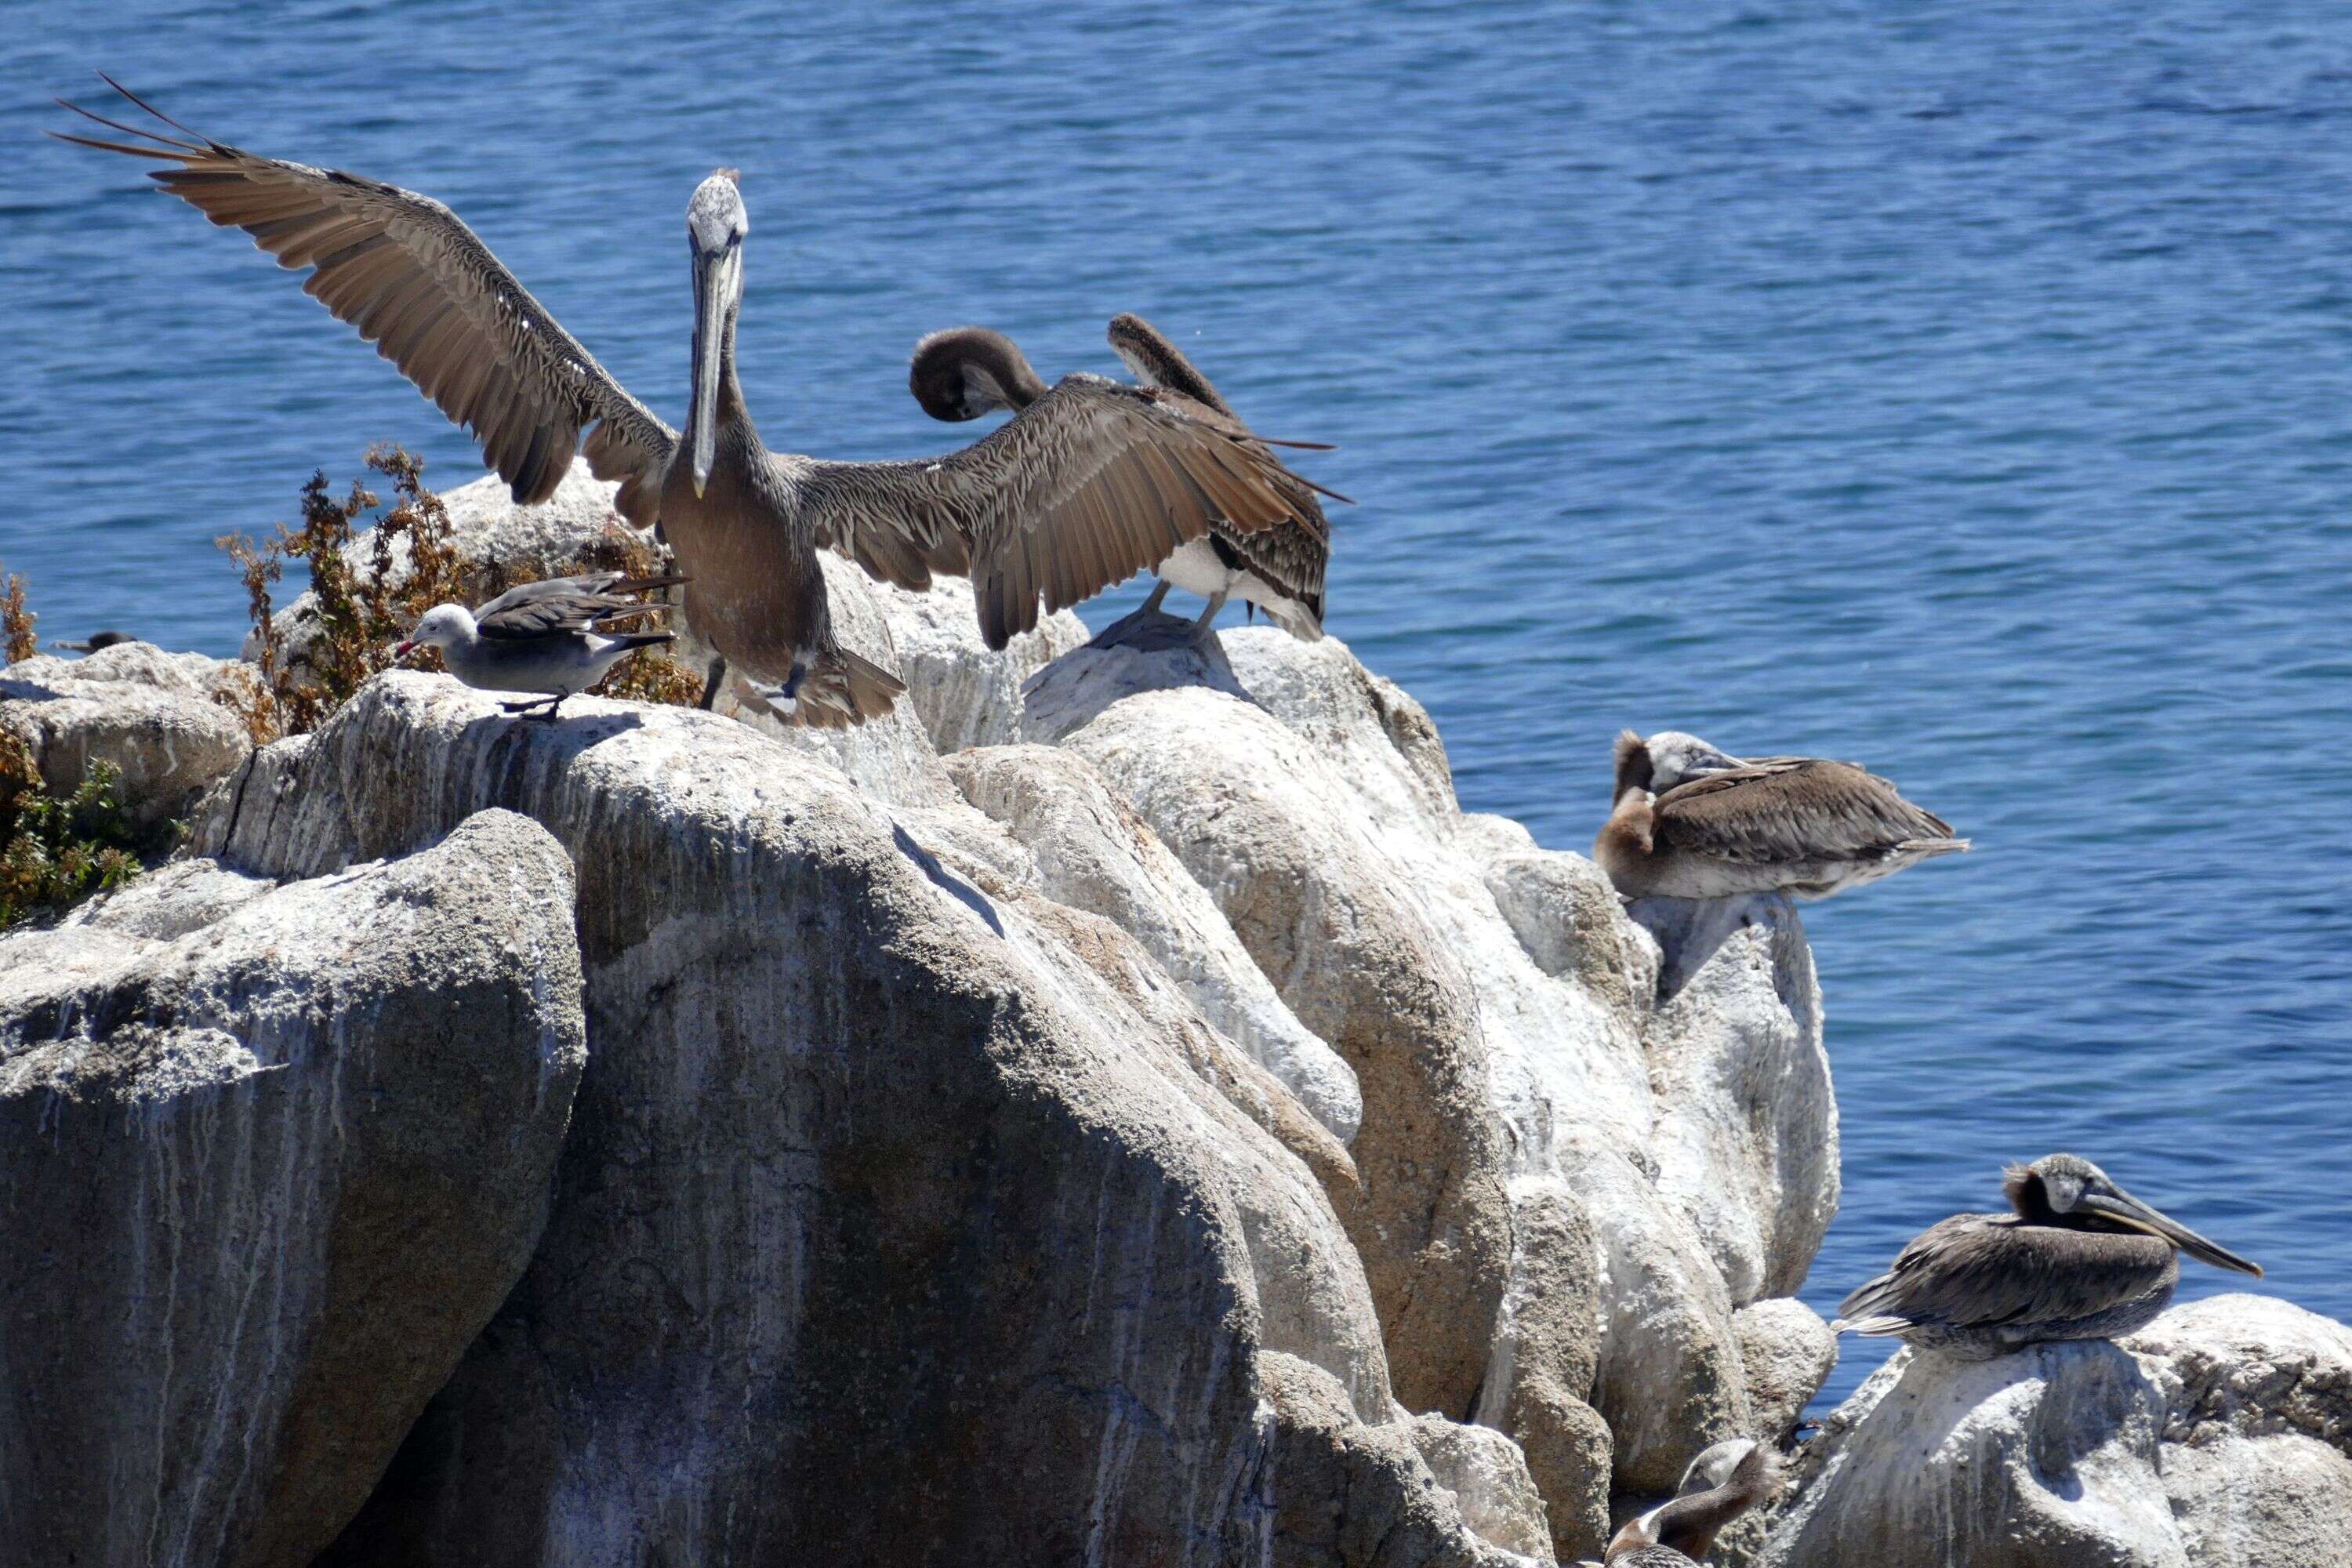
1774, 814
1979, 1271
566, 605
424, 290
1090, 484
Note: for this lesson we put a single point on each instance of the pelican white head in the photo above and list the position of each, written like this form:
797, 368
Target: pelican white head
716, 223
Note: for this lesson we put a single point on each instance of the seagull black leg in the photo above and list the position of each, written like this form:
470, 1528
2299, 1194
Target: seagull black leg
717, 679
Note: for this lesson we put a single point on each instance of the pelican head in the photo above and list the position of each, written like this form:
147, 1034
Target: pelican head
442, 625
2066, 1189
966, 371
1677, 758
715, 224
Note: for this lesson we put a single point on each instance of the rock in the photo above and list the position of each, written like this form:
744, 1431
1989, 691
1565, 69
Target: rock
162, 719
1334, 1490
1745, 1138
274, 1155
1488, 1478
2046, 1459
1571, 921
1265, 823
1069, 693
1093, 853
897, 1220
2257, 1429
1787, 1353
964, 694
2220, 1433
1547, 1353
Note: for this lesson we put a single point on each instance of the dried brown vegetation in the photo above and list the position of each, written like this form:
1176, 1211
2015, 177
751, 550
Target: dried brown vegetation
369, 591
17, 621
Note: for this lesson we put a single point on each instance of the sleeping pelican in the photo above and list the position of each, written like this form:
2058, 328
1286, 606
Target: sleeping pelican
2081, 1259
1720, 1485
1718, 825
1094, 482
964, 373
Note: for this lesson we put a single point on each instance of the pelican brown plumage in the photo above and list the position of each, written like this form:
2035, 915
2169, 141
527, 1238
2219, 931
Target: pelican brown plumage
1720, 1485
964, 373
1091, 483
1693, 822
2078, 1258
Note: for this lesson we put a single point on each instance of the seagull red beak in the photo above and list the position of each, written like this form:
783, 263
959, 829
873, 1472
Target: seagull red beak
408, 647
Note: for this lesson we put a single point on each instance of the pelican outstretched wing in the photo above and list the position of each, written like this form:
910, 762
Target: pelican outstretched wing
422, 286
1088, 484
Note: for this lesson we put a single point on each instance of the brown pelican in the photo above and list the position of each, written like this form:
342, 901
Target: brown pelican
2081, 1259
1720, 1485
1718, 825
548, 636
1091, 483
964, 373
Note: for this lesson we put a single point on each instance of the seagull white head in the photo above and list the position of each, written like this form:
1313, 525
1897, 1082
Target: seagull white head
443, 625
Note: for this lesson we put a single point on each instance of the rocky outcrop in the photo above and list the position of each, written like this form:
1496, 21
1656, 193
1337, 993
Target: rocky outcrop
1118, 1107
164, 721
273, 1156
1092, 852
2219, 1435
873, 1164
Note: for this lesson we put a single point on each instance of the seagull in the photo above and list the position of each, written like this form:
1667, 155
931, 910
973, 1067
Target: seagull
1693, 822
2079, 1259
543, 637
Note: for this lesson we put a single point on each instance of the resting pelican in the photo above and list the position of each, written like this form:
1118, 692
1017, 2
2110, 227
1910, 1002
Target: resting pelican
1718, 827
548, 636
964, 373
1720, 1485
2081, 1259
1091, 483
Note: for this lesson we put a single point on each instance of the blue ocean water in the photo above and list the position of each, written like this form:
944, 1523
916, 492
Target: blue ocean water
1962, 389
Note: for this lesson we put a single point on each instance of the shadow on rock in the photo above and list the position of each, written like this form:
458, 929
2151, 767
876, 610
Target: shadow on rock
1151, 656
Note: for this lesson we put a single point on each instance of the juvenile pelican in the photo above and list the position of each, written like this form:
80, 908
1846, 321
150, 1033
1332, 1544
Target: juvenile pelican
547, 636
1091, 483
2081, 1259
1718, 825
1720, 1485
964, 373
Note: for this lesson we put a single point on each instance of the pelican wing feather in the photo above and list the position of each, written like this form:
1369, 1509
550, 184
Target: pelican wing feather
422, 286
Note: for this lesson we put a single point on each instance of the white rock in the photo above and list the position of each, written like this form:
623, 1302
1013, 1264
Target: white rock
157, 716
878, 1173
2221, 1434
1488, 1478
269, 1159
1093, 853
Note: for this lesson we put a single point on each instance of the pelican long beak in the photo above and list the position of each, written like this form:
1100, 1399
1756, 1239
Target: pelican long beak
2116, 1205
714, 299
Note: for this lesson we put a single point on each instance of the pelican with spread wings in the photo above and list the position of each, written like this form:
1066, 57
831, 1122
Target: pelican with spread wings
1093, 482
